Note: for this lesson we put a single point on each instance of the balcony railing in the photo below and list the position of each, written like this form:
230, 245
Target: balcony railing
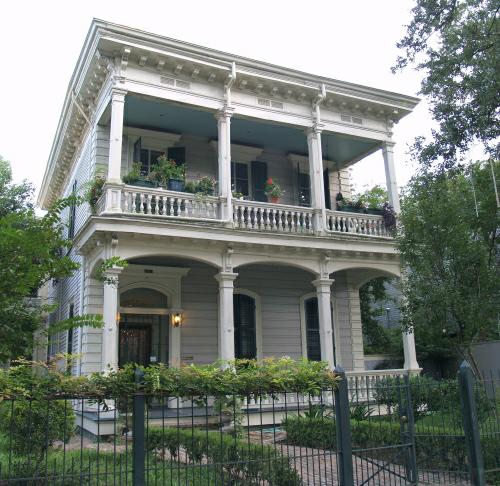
159, 202
259, 216
248, 215
356, 223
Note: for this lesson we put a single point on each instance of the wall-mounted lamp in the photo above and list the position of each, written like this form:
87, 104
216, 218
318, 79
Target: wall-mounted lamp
177, 319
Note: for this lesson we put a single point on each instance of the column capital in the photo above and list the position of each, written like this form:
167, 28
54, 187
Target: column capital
224, 113
118, 94
226, 278
389, 145
323, 284
111, 276
315, 130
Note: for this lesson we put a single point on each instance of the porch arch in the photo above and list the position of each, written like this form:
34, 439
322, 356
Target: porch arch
241, 260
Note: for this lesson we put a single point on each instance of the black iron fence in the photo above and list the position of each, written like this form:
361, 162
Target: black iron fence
394, 431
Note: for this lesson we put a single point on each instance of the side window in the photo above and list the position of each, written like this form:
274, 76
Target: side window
239, 178
71, 314
72, 214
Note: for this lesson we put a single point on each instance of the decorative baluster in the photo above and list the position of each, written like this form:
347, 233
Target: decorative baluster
125, 201
141, 202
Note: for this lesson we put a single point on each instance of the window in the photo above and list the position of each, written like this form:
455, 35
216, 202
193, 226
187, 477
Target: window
304, 190
148, 157
245, 332
240, 178
312, 330
69, 344
72, 214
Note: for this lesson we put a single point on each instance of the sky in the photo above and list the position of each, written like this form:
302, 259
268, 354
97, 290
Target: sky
352, 40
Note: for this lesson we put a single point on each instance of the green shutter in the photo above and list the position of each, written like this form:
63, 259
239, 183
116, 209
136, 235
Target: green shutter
137, 150
178, 154
326, 183
259, 177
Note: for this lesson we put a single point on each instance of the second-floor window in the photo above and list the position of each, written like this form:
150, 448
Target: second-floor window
148, 157
240, 180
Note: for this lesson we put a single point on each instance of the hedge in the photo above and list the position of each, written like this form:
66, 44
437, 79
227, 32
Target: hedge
444, 451
255, 463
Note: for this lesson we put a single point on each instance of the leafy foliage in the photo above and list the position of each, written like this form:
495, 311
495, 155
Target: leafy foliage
373, 198
32, 252
456, 44
377, 338
43, 422
449, 241
108, 264
242, 378
242, 461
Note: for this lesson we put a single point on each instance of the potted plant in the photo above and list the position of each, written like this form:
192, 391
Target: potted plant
190, 186
134, 177
95, 190
273, 191
206, 186
167, 173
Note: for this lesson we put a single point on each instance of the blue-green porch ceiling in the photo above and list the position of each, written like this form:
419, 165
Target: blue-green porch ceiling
156, 115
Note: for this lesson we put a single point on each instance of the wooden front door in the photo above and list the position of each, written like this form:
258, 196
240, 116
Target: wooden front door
135, 345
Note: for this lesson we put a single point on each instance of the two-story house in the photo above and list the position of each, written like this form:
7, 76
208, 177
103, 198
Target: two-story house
233, 273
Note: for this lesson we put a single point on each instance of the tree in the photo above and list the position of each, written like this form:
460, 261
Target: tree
373, 198
448, 241
377, 338
33, 251
456, 43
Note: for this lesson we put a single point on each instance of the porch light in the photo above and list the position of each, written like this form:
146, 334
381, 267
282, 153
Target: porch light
177, 320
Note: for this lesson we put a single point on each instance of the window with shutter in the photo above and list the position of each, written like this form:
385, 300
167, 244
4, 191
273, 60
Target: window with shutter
245, 339
71, 314
312, 330
304, 190
326, 183
259, 177
239, 178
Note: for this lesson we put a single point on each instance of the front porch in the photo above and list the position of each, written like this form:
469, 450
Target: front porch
182, 307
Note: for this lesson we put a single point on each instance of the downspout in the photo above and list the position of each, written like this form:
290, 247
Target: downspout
319, 101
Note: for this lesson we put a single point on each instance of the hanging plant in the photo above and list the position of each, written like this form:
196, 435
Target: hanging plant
95, 189
389, 217
108, 264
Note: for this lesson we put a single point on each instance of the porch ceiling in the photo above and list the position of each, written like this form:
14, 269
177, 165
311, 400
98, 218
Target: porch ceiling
156, 115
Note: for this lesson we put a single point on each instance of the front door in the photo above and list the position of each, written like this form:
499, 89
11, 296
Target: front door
245, 339
143, 339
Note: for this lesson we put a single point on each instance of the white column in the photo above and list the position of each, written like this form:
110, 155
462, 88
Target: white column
109, 356
390, 175
224, 161
174, 348
410, 353
323, 294
316, 178
226, 315
114, 182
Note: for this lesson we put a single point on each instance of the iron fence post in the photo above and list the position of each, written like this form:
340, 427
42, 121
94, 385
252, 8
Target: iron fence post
138, 435
411, 458
471, 424
343, 429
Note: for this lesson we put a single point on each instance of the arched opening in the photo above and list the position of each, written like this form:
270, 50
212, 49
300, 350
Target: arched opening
143, 328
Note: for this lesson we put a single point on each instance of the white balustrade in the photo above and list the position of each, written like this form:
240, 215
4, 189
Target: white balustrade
159, 202
356, 223
259, 216
362, 384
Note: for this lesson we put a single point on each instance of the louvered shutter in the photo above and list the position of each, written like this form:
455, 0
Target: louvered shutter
259, 177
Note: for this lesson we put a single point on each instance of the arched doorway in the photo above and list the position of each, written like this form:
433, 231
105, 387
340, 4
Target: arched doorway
143, 331
245, 326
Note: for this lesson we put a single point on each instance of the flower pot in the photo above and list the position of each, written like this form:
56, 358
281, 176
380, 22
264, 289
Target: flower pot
351, 209
140, 183
176, 185
274, 200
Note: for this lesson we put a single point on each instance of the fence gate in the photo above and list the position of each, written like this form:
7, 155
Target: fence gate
383, 442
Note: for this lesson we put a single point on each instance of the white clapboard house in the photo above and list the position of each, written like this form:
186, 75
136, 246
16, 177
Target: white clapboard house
231, 274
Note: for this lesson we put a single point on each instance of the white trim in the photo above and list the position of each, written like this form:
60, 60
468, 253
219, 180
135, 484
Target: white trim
303, 330
258, 319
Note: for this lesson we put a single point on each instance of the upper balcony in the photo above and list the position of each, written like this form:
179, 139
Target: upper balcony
311, 168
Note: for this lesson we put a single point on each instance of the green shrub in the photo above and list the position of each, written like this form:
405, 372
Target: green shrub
30, 427
240, 459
